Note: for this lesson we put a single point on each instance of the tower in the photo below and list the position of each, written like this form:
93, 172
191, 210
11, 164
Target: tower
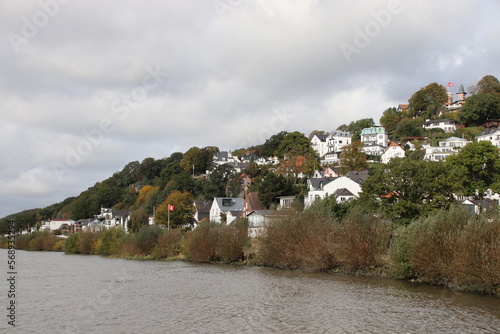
461, 95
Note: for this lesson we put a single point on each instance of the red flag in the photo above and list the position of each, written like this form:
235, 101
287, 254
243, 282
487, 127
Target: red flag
170, 207
450, 84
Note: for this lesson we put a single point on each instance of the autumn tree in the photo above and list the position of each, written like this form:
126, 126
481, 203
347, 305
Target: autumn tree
182, 213
428, 101
353, 158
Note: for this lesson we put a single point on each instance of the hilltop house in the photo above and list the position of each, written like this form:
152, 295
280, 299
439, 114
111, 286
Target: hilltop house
446, 148
231, 208
109, 218
491, 135
342, 188
393, 151
461, 96
375, 140
202, 210
447, 125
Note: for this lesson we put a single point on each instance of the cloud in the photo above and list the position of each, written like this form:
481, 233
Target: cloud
238, 72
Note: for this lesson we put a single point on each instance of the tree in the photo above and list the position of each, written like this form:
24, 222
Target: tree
390, 119
353, 158
406, 189
475, 169
479, 108
273, 186
198, 160
144, 195
488, 84
429, 100
138, 219
355, 127
408, 128
271, 145
218, 180
182, 213
293, 143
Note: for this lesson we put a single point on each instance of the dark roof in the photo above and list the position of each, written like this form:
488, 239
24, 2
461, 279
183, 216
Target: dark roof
317, 182
342, 192
253, 201
266, 212
358, 176
461, 90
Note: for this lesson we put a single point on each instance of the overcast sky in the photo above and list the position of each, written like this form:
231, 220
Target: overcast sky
88, 86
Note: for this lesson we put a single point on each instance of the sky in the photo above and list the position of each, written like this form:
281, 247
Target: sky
88, 86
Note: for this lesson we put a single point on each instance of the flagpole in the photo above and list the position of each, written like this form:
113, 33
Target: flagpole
168, 217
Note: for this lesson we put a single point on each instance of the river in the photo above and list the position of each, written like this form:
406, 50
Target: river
58, 293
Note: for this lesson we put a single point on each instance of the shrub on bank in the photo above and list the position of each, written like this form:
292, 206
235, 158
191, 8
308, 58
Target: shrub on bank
232, 241
169, 244
200, 243
109, 241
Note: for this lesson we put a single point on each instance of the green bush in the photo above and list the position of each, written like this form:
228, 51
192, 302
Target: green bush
109, 241
71, 244
147, 237
232, 240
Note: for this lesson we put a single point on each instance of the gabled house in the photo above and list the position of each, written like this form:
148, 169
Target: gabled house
258, 220
202, 210
446, 148
481, 206
231, 208
393, 151
225, 157
111, 218
491, 135
319, 144
251, 202
56, 224
447, 125
341, 187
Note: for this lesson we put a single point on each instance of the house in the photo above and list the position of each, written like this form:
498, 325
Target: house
285, 202
251, 202
319, 144
480, 206
461, 96
111, 218
225, 157
492, 135
447, 125
202, 210
258, 220
393, 151
375, 140
340, 187
55, 224
446, 148
231, 208
357, 176
336, 141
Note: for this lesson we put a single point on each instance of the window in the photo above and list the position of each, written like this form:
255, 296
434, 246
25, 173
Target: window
226, 202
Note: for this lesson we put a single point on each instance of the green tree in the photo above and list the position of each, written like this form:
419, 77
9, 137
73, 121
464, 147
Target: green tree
355, 127
271, 145
479, 108
408, 128
428, 101
475, 169
294, 143
273, 186
218, 181
353, 158
198, 160
390, 119
488, 84
406, 189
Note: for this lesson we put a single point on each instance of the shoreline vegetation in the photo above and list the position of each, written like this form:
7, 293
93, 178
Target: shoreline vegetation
449, 247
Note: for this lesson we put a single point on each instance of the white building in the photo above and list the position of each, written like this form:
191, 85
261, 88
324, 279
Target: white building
446, 148
55, 224
447, 125
393, 151
341, 187
491, 135
375, 140
319, 144
232, 208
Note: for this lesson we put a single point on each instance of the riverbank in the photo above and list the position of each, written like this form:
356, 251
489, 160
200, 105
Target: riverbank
448, 248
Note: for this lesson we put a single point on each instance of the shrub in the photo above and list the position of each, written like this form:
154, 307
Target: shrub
71, 244
147, 238
200, 244
128, 246
168, 244
399, 262
86, 242
108, 243
232, 241
363, 240
59, 245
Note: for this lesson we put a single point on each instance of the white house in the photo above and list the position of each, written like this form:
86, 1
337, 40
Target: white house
375, 140
230, 207
55, 224
258, 220
322, 188
446, 148
447, 125
319, 144
491, 135
111, 218
393, 151
337, 140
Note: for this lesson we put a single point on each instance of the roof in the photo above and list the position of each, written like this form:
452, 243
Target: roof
342, 192
489, 132
455, 139
373, 130
431, 121
358, 176
340, 133
230, 204
266, 213
253, 201
203, 206
461, 90
317, 182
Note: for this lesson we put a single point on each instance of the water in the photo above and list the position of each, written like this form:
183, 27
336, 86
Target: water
60, 293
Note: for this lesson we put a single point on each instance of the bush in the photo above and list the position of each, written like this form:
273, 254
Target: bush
168, 244
108, 243
147, 237
71, 244
200, 244
59, 245
86, 242
232, 241
128, 247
